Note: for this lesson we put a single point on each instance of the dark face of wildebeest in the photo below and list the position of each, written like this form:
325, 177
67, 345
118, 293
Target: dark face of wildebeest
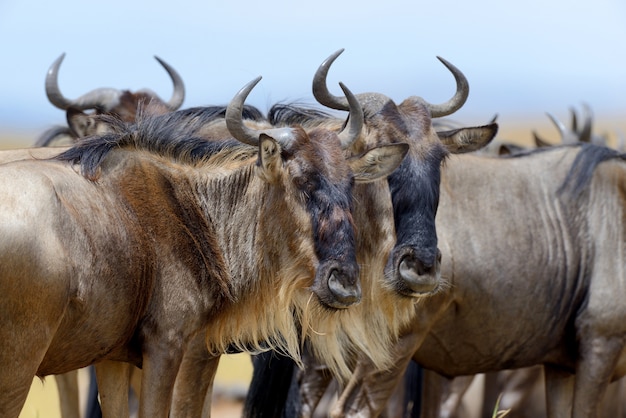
121, 103
336, 282
413, 267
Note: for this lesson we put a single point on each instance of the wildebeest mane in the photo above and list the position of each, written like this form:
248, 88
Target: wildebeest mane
176, 135
583, 167
283, 114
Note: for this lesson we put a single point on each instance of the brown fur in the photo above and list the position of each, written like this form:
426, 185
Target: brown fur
149, 210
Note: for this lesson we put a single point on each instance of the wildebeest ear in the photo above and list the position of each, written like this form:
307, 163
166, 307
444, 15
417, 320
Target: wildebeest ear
459, 141
80, 123
377, 162
269, 162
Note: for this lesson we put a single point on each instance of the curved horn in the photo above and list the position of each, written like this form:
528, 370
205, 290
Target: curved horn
178, 96
459, 98
559, 125
239, 131
52, 85
347, 137
320, 89
105, 98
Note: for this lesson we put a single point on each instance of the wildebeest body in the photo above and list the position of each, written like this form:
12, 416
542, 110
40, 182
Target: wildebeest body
536, 277
134, 259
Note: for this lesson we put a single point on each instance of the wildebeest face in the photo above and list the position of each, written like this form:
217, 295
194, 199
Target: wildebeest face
313, 168
413, 266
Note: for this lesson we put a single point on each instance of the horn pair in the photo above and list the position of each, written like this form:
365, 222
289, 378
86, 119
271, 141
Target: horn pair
104, 98
323, 95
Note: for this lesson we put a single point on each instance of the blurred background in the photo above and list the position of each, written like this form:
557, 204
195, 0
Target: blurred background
522, 59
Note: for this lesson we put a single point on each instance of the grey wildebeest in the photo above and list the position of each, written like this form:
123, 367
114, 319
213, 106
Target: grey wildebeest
121, 103
540, 286
415, 197
124, 248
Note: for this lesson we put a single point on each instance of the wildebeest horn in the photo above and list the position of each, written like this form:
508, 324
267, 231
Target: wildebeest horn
324, 97
104, 98
353, 130
239, 131
320, 90
459, 98
178, 96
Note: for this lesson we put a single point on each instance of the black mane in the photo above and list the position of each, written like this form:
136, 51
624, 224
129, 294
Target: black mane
282, 114
175, 134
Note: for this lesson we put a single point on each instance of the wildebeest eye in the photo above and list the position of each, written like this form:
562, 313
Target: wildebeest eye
306, 183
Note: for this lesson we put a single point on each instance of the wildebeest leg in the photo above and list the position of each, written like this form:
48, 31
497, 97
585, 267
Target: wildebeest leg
160, 367
559, 392
433, 394
598, 357
453, 392
313, 381
67, 385
516, 387
368, 390
194, 383
113, 379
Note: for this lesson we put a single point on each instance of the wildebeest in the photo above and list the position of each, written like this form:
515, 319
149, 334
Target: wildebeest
575, 134
539, 286
122, 103
124, 247
415, 196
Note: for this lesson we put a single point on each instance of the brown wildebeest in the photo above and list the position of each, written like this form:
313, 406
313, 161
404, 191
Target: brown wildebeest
134, 257
121, 103
414, 261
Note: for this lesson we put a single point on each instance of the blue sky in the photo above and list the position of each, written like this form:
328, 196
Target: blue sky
521, 58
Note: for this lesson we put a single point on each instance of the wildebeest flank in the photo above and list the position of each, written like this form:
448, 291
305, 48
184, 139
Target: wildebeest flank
138, 241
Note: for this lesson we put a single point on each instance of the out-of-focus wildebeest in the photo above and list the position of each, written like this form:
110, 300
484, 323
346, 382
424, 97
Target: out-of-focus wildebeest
121, 103
575, 134
129, 244
413, 265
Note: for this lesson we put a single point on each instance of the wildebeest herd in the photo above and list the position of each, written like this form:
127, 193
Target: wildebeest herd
340, 251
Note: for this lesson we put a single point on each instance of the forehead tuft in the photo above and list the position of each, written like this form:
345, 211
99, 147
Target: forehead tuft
320, 151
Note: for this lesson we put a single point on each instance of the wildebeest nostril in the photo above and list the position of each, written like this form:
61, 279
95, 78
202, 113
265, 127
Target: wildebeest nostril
345, 290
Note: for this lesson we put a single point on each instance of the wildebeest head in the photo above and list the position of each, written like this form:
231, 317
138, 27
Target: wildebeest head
122, 103
413, 266
323, 180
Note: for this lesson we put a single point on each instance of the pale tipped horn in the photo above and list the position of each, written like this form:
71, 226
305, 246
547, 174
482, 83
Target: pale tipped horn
239, 131
178, 96
356, 118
